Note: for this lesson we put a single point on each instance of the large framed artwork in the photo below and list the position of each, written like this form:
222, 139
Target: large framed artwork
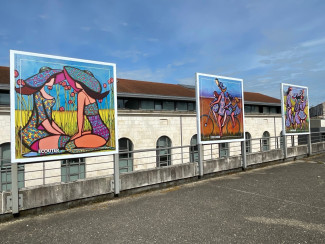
295, 109
220, 108
61, 107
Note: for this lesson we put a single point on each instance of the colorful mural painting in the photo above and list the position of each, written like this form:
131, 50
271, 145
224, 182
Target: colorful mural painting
220, 108
295, 109
61, 107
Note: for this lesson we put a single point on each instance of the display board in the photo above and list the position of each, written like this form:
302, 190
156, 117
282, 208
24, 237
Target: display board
61, 107
295, 109
220, 108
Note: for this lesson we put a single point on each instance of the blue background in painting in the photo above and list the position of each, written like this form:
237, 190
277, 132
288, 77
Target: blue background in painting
28, 66
208, 86
295, 90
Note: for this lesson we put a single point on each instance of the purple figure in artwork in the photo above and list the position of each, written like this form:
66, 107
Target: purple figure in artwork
302, 115
215, 104
232, 109
289, 119
222, 103
297, 120
41, 132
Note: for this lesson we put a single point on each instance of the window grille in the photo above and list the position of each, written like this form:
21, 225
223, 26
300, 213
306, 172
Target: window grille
73, 169
265, 143
125, 155
163, 152
248, 142
223, 150
194, 153
5, 169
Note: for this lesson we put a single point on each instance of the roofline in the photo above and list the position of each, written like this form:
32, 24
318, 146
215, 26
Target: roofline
155, 96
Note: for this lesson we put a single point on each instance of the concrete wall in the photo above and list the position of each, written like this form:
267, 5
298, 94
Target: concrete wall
221, 164
34, 197
318, 147
159, 175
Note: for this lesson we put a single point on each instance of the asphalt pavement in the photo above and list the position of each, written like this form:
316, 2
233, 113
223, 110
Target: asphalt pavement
282, 203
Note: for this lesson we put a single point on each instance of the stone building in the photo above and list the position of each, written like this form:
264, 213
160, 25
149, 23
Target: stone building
150, 116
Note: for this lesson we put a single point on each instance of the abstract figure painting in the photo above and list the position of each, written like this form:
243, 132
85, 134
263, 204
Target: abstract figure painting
220, 108
295, 109
61, 107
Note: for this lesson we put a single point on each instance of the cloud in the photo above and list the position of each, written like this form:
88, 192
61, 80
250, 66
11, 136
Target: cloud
312, 43
134, 55
143, 74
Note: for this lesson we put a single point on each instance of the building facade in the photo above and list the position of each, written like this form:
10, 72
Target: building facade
156, 128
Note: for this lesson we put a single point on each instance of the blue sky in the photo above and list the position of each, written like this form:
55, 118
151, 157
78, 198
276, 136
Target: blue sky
262, 42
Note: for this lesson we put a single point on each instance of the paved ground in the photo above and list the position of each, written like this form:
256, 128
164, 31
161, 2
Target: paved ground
278, 204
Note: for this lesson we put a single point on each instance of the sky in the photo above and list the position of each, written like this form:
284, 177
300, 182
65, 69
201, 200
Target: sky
263, 42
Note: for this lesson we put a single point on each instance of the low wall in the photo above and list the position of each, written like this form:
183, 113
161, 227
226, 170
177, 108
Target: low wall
158, 175
221, 164
61, 192
297, 151
263, 157
318, 147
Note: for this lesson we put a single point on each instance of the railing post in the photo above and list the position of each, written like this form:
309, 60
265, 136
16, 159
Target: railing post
310, 150
200, 147
285, 146
116, 175
14, 189
243, 153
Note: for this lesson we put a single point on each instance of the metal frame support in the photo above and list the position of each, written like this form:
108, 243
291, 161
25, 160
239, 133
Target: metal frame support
285, 151
200, 147
243, 153
310, 150
14, 188
116, 175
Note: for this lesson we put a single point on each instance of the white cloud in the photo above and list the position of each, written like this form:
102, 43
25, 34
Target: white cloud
312, 43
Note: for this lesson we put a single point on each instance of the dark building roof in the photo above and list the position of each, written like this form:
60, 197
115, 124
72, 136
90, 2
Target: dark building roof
126, 87
4, 75
153, 88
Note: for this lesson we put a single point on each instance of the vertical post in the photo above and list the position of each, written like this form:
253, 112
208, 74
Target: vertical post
181, 125
43, 173
116, 175
14, 188
200, 147
285, 146
309, 145
243, 153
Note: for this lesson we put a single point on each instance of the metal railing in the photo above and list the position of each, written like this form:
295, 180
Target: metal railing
42, 174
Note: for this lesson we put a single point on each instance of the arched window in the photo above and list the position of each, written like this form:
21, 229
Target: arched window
125, 155
5, 169
223, 150
248, 142
194, 155
163, 151
265, 142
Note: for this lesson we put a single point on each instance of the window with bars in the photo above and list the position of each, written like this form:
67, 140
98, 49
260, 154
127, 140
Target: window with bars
5, 169
163, 152
223, 150
125, 155
194, 153
265, 143
248, 142
73, 169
